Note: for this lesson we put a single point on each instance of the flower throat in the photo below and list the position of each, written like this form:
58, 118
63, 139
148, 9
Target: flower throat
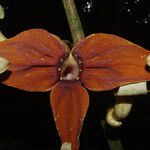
69, 69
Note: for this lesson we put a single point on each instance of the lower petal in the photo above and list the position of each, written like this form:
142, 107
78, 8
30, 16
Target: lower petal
69, 101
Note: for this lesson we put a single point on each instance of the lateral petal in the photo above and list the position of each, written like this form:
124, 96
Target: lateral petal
34, 56
69, 101
109, 61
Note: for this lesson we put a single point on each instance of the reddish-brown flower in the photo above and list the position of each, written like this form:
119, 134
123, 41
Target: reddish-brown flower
41, 62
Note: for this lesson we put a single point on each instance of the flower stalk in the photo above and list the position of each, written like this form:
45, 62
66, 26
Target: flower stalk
73, 20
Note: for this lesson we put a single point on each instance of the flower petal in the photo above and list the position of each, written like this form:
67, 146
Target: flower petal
34, 56
69, 101
109, 61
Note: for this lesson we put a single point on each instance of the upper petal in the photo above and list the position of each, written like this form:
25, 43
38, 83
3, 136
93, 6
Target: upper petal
109, 61
69, 101
34, 56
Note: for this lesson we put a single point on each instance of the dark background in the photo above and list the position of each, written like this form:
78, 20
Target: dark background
26, 121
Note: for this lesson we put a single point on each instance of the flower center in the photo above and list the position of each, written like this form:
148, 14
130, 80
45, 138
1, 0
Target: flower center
69, 69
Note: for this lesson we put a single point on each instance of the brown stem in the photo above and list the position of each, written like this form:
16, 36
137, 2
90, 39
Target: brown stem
73, 20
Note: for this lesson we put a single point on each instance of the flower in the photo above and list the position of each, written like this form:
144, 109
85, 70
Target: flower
41, 62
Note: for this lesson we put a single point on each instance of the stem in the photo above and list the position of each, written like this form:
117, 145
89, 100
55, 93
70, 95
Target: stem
73, 20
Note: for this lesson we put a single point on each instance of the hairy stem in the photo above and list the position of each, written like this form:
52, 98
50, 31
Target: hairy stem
73, 20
